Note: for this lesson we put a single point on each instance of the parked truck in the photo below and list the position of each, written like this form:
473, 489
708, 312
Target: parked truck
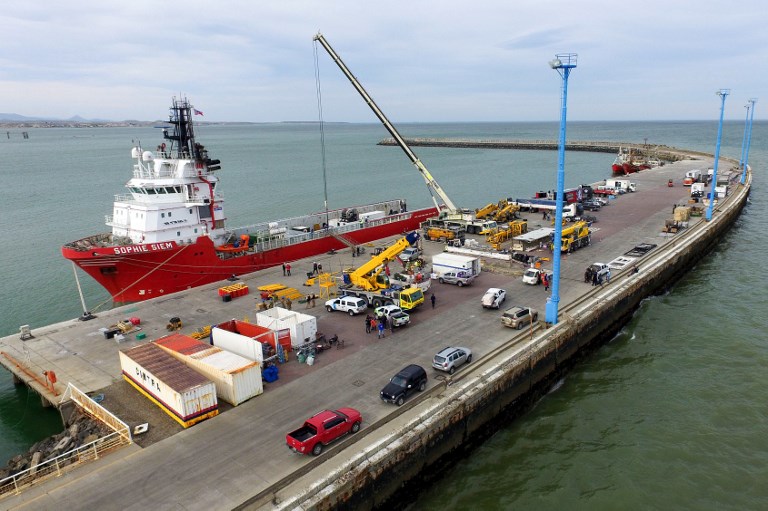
371, 283
624, 185
323, 428
447, 262
570, 211
692, 176
574, 237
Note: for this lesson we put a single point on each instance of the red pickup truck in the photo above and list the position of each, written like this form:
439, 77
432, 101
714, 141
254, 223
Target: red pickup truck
323, 428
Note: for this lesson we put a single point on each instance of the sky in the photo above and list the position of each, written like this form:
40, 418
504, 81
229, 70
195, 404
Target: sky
421, 60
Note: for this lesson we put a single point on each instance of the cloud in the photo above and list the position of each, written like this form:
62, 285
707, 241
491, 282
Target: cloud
421, 61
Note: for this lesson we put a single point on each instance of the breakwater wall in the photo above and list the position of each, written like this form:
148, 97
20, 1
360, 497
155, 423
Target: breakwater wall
662, 152
388, 461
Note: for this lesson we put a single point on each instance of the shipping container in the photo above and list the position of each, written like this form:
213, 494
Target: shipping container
244, 339
179, 391
446, 261
237, 379
302, 327
238, 344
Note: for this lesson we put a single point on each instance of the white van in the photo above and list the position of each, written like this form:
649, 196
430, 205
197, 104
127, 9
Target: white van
697, 190
350, 304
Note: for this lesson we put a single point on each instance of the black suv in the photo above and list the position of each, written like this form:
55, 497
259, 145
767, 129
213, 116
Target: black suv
410, 379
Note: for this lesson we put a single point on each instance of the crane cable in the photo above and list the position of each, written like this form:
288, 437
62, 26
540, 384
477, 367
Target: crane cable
322, 131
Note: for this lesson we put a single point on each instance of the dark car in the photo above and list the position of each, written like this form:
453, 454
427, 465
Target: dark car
592, 205
410, 379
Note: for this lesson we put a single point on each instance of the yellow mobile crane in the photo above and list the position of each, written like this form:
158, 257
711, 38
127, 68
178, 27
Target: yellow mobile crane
368, 283
486, 210
574, 237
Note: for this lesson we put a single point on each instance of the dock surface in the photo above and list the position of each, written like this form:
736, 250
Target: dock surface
229, 460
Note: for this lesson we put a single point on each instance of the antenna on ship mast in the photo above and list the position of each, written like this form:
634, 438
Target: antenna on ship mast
86, 314
322, 133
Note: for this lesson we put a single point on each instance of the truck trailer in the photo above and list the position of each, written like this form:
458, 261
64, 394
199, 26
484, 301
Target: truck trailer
447, 262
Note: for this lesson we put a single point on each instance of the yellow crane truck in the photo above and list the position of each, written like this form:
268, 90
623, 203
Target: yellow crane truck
574, 237
371, 283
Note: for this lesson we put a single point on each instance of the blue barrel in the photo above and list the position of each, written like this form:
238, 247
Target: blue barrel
270, 374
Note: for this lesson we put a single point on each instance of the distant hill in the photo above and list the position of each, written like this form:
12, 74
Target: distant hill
23, 118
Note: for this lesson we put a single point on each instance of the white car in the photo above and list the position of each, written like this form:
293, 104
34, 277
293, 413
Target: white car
349, 304
493, 298
532, 276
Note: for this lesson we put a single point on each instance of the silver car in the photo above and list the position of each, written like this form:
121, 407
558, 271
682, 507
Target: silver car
451, 358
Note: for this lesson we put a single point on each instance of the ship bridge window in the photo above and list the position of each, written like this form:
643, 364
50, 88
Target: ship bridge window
170, 213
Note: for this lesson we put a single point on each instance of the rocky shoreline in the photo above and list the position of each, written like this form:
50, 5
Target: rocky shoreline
82, 429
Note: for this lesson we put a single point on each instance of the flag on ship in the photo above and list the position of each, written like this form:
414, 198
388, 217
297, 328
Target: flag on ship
197, 112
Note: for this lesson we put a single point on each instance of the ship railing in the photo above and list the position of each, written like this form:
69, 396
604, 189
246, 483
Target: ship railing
197, 199
269, 242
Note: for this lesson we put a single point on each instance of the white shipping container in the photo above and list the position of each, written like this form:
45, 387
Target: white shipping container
184, 394
371, 216
303, 327
238, 344
446, 261
237, 379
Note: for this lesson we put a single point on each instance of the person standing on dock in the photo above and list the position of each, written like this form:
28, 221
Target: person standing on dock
288, 269
368, 324
381, 328
284, 269
314, 268
433, 299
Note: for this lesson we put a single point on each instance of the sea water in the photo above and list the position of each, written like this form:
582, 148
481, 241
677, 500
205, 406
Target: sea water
670, 414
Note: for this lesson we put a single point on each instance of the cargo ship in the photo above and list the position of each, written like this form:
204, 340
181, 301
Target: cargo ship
168, 231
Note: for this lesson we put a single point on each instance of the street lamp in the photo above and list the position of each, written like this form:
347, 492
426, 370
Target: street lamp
752, 101
563, 64
744, 140
723, 93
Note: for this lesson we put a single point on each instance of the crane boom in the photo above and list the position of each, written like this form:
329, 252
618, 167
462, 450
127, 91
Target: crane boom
432, 184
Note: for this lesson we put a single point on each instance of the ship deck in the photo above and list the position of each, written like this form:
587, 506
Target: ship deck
235, 456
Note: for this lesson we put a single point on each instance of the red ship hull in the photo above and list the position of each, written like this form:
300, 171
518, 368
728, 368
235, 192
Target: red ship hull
139, 272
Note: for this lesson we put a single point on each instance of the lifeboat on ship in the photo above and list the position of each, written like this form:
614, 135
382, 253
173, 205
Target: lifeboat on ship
240, 245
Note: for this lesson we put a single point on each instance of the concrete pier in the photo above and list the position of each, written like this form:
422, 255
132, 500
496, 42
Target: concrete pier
661, 152
239, 460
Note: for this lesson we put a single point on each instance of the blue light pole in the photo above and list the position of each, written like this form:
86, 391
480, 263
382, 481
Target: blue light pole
723, 93
563, 64
752, 101
744, 140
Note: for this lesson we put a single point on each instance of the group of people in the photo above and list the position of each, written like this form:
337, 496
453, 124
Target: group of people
595, 278
269, 300
378, 325
311, 300
286, 269
545, 280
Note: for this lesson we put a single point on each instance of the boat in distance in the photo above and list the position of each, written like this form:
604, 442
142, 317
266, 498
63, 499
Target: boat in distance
168, 232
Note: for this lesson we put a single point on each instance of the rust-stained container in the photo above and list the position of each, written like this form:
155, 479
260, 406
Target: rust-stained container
237, 379
181, 392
